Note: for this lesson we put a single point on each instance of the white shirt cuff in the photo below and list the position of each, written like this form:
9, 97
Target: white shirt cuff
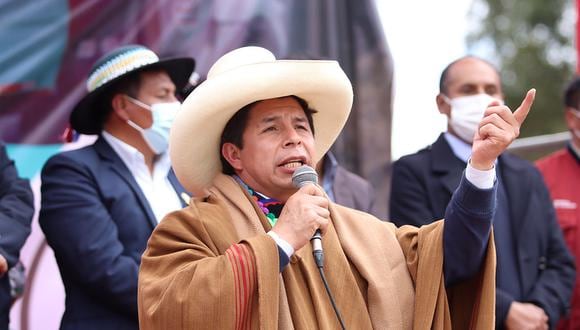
480, 179
285, 246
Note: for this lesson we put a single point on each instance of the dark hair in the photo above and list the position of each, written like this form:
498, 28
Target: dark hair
572, 94
445, 73
234, 130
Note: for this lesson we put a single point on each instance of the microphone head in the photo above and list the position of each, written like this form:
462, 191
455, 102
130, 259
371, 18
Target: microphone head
303, 176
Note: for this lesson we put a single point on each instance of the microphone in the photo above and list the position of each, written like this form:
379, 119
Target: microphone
302, 176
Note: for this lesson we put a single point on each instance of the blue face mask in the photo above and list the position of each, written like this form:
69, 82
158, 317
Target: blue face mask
157, 136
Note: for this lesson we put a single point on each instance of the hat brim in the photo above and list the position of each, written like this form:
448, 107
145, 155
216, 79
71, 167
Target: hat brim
195, 135
86, 117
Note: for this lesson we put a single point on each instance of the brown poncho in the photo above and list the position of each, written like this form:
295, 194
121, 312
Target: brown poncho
211, 266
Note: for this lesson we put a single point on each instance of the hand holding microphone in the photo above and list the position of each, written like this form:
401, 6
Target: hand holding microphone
303, 176
304, 212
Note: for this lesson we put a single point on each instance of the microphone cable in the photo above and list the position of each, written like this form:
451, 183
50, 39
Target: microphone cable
302, 176
319, 259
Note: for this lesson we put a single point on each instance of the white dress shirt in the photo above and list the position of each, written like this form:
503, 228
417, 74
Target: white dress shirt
462, 150
157, 188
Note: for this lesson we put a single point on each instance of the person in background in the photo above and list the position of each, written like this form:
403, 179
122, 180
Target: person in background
16, 211
344, 187
535, 272
101, 203
561, 171
238, 255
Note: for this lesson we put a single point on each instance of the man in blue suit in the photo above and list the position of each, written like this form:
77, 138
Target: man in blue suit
100, 203
16, 210
535, 271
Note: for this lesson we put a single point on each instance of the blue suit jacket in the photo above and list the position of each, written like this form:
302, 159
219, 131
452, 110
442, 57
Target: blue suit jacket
97, 220
16, 210
422, 185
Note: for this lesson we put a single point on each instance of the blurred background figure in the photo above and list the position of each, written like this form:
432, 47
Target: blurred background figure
344, 187
535, 271
561, 171
16, 210
100, 203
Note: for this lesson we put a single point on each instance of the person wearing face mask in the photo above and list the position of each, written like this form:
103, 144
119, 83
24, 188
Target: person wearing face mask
535, 271
101, 203
561, 171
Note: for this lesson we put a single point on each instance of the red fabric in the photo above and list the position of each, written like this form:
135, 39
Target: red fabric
562, 175
244, 269
577, 36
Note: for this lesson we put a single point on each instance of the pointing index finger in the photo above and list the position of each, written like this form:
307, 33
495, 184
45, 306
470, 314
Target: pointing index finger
524, 109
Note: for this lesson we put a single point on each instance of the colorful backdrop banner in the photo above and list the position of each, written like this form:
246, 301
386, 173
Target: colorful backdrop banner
49, 46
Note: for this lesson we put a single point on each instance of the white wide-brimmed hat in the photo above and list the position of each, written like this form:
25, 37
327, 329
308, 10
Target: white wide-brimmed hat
241, 77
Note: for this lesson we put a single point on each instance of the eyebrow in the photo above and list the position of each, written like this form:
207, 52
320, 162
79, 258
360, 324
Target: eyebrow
269, 119
274, 118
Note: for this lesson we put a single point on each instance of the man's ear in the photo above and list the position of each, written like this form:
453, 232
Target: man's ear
119, 104
442, 105
231, 153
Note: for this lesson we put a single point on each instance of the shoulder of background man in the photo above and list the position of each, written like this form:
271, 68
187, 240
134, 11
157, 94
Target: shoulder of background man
86, 155
354, 181
78, 154
416, 161
517, 163
530, 178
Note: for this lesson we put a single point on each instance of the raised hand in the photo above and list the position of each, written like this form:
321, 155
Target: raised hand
498, 128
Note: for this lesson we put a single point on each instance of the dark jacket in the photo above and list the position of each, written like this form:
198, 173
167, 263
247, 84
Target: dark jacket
422, 186
16, 210
97, 220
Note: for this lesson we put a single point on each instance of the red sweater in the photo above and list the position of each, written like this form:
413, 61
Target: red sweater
561, 171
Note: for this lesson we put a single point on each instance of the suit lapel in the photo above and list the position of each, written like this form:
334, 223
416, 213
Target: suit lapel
445, 165
517, 188
116, 164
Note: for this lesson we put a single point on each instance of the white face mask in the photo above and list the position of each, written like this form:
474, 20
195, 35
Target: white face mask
157, 136
466, 114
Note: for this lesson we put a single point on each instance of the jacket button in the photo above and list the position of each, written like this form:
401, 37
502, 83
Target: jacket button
294, 259
542, 263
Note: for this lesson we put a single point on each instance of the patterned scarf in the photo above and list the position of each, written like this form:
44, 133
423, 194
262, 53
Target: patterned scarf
270, 206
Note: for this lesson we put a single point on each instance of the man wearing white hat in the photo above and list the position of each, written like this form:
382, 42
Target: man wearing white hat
238, 256
101, 203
